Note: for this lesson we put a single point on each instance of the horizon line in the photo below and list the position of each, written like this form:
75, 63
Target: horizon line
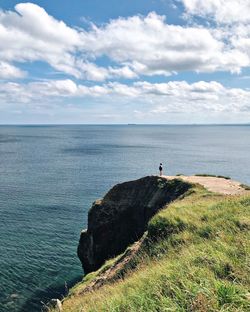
125, 124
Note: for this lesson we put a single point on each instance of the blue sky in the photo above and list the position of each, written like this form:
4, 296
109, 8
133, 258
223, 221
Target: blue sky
99, 11
143, 61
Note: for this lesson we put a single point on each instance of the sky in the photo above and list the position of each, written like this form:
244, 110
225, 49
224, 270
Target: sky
126, 61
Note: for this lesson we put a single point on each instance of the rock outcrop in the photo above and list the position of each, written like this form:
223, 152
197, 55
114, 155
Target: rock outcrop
121, 217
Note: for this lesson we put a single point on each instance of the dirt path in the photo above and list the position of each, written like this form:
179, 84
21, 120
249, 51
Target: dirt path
214, 184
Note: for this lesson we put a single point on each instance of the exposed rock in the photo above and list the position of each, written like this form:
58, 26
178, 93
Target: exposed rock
121, 217
53, 305
115, 271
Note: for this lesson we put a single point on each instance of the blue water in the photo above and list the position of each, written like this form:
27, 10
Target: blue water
50, 175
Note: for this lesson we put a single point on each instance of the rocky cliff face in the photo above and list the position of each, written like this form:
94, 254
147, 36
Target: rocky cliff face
121, 217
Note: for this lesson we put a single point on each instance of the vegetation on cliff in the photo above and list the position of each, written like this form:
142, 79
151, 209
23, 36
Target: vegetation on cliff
194, 257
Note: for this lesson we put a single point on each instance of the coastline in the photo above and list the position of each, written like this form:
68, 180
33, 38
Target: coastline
131, 262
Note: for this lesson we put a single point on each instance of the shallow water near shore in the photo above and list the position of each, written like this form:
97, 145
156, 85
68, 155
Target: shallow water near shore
50, 175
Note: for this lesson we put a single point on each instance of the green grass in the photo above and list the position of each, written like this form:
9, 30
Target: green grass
196, 258
87, 279
212, 175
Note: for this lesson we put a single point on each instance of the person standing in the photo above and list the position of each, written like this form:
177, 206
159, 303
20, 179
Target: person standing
160, 169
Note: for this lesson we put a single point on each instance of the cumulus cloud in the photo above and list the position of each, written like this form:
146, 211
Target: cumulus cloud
222, 11
180, 96
8, 71
90, 71
31, 34
174, 96
152, 47
231, 25
137, 45
133, 48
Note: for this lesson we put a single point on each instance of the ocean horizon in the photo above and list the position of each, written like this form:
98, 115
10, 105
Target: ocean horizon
122, 124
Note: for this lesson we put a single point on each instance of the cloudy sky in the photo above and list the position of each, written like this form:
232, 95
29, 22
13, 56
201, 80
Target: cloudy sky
127, 61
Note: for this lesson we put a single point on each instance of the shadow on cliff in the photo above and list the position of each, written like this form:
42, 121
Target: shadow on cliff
59, 291
121, 217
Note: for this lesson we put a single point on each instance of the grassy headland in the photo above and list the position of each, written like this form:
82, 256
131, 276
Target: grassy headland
195, 258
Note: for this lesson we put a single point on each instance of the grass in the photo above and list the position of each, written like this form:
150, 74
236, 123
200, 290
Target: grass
212, 175
195, 259
87, 279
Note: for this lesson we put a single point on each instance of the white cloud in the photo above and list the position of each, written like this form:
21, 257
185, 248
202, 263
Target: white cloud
231, 18
137, 45
8, 71
174, 96
11, 92
180, 96
127, 48
222, 11
152, 47
90, 71
30, 34
59, 88
124, 72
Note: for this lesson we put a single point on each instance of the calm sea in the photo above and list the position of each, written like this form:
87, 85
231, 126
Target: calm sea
50, 175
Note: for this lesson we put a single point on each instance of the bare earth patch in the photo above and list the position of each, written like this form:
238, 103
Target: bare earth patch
214, 184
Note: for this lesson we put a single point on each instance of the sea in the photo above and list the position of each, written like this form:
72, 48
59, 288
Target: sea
51, 174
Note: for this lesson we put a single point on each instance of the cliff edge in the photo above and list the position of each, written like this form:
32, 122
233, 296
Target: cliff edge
122, 216
192, 256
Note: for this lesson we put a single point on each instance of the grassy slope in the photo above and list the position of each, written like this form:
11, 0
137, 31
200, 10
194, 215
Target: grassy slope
196, 259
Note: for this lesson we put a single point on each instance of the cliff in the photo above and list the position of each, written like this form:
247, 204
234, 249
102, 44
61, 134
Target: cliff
122, 216
193, 255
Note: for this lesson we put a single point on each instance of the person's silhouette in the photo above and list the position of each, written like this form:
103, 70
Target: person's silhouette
160, 169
